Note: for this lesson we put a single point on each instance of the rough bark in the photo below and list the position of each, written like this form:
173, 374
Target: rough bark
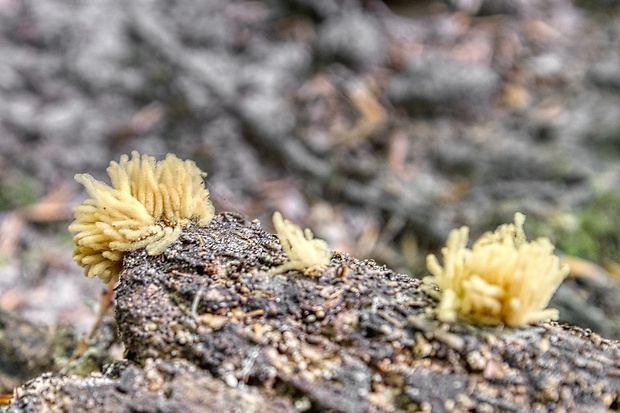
204, 325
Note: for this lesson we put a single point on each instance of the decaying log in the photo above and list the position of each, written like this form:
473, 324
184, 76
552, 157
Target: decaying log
158, 386
27, 349
204, 325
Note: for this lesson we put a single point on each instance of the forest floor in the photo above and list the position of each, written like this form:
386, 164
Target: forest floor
381, 127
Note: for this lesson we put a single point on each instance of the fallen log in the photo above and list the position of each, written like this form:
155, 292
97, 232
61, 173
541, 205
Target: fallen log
205, 325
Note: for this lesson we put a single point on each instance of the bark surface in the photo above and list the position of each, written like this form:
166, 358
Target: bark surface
204, 325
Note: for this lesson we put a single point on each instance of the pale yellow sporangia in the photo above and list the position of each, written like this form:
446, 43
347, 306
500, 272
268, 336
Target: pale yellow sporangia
304, 252
147, 206
502, 279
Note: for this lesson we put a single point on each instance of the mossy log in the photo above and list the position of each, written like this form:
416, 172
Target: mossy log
205, 327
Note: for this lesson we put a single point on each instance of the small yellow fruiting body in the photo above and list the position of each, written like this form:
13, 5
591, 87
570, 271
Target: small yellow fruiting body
502, 279
305, 253
147, 206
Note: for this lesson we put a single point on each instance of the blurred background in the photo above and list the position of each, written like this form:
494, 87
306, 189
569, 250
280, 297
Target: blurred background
381, 125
